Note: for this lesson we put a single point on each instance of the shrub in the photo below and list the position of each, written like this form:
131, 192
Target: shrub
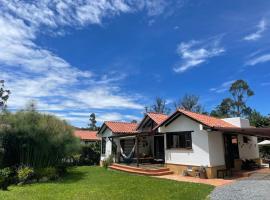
37, 140
90, 154
25, 174
107, 162
5, 178
61, 170
49, 173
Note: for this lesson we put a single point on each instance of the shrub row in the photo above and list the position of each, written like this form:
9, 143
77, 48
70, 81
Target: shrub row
25, 174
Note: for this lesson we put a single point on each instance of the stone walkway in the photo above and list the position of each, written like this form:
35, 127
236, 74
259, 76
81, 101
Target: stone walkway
255, 187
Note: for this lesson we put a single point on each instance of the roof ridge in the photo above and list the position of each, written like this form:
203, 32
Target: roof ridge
120, 122
198, 113
156, 113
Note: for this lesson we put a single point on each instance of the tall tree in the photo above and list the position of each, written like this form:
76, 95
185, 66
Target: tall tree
4, 95
240, 92
92, 124
224, 109
236, 105
258, 120
190, 102
160, 106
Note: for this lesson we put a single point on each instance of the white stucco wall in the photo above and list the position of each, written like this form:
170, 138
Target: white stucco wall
199, 154
216, 148
108, 152
237, 121
248, 150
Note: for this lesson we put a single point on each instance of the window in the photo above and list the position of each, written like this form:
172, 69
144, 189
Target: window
179, 140
245, 139
103, 145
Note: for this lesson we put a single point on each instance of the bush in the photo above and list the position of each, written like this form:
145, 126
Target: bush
25, 174
49, 173
61, 170
36, 140
5, 177
107, 162
90, 154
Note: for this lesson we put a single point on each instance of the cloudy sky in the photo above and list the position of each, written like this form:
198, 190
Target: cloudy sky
74, 57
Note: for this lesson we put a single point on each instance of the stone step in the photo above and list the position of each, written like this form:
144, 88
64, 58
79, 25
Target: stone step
146, 173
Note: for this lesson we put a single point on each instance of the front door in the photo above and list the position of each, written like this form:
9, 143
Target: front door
231, 149
159, 147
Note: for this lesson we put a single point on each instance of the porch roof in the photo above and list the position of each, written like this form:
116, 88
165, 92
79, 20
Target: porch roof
262, 132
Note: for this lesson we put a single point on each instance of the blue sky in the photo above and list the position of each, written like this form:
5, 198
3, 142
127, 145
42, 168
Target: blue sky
114, 57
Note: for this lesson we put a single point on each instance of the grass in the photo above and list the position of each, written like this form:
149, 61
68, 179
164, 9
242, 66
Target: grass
98, 183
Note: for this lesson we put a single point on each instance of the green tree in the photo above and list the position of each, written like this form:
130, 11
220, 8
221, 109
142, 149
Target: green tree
258, 120
4, 95
93, 121
159, 106
240, 92
236, 106
224, 109
37, 140
190, 102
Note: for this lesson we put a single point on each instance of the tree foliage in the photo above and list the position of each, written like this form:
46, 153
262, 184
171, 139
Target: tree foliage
37, 140
236, 105
240, 92
159, 106
93, 121
190, 102
4, 95
258, 120
224, 109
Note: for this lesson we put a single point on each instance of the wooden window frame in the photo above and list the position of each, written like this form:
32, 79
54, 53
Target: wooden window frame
186, 144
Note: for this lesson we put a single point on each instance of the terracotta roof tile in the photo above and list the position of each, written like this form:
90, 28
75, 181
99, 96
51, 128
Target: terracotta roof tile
86, 135
205, 119
121, 127
157, 117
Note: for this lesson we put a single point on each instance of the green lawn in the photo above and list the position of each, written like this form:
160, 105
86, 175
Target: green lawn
98, 183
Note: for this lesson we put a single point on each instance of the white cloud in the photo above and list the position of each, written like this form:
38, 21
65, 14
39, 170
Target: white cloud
194, 53
82, 118
35, 73
223, 87
258, 59
261, 27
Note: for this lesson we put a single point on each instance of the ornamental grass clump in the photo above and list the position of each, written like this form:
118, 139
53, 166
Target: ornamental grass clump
36, 140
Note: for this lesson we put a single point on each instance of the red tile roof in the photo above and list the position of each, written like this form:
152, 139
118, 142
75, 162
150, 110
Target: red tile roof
86, 135
121, 127
205, 119
157, 117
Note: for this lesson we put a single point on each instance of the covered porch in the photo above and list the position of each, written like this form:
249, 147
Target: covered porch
241, 151
140, 149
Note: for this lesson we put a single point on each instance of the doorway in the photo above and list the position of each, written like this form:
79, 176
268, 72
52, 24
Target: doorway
159, 153
231, 150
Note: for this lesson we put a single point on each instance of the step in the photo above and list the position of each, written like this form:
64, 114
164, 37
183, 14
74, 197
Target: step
141, 169
243, 174
141, 172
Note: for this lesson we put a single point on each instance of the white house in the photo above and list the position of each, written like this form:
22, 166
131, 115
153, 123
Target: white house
183, 140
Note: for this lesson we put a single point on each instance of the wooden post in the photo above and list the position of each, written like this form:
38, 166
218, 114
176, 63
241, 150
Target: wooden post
137, 149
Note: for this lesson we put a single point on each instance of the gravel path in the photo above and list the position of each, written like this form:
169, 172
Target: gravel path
256, 187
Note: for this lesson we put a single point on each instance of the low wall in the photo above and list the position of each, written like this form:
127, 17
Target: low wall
178, 169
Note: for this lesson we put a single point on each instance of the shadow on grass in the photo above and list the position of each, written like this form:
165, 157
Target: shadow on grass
72, 176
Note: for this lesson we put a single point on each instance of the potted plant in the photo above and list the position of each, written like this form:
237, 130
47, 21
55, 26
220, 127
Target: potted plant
202, 172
